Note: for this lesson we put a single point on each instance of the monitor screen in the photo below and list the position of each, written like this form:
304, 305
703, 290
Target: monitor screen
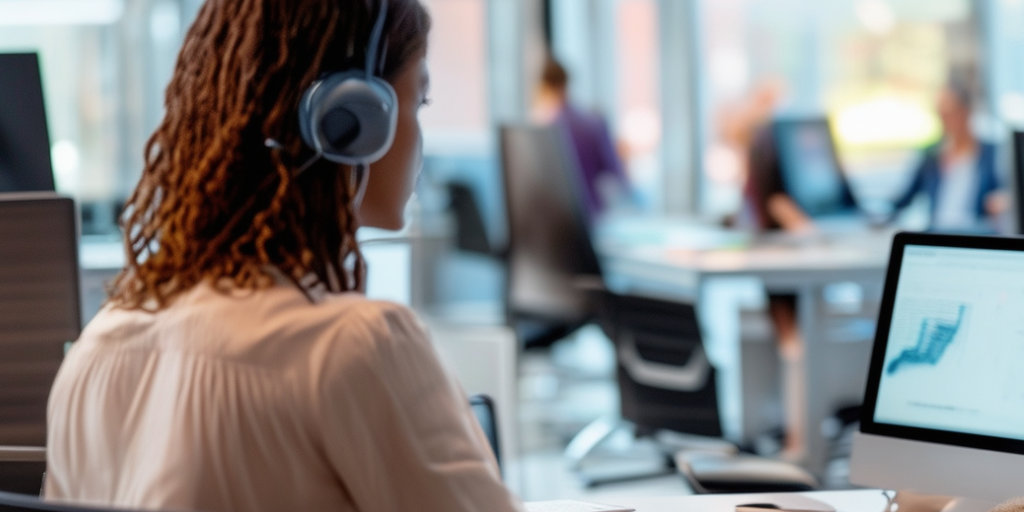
950, 343
956, 343
24, 139
811, 172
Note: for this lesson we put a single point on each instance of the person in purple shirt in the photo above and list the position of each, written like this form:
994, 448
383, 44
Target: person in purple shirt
603, 179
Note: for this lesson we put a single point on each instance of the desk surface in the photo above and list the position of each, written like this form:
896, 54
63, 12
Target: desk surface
870, 500
676, 259
713, 250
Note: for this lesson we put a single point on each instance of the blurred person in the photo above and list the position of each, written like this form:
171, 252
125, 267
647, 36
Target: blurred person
766, 201
604, 180
768, 207
958, 174
746, 129
237, 365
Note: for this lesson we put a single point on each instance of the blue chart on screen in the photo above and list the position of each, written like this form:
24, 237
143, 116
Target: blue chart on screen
935, 336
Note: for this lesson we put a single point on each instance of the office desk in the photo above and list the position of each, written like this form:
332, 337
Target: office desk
843, 501
823, 271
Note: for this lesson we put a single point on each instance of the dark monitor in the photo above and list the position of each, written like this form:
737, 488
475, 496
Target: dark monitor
1017, 181
24, 139
811, 173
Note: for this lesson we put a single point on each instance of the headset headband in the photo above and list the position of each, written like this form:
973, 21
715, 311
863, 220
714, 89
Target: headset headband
375, 35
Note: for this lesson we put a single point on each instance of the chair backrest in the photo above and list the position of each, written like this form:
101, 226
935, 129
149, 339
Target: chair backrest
11, 502
665, 378
483, 409
470, 233
39, 307
549, 243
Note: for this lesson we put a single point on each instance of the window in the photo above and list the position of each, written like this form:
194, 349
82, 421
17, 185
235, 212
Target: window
874, 67
104, 65
612, 52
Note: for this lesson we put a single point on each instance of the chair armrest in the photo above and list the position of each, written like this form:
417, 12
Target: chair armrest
22, 454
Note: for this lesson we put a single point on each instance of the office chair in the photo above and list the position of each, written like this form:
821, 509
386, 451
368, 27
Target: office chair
549, 257
39, 314
470, 233
668, 390
487, 416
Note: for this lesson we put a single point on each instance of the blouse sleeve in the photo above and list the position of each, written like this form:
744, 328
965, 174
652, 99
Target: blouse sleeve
397, 430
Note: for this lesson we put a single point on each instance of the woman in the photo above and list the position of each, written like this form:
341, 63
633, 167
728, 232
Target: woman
959, 174
237, 365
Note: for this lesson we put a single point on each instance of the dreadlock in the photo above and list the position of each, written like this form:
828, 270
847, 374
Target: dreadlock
214, 202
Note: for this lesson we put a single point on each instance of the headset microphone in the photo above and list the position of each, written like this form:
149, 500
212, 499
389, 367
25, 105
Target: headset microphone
277, 146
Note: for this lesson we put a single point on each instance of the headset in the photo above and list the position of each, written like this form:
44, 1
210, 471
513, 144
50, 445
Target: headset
350, 117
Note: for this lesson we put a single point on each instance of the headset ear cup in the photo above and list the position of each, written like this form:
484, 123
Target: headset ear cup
350, 119
306, 129
340, 127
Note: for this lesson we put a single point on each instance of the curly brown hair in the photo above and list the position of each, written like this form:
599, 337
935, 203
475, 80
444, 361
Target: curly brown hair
214, 202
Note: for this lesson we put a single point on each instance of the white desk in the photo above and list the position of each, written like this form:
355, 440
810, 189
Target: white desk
835, 362
843, 501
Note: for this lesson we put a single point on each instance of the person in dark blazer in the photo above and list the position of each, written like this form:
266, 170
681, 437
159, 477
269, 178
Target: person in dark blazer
958, 174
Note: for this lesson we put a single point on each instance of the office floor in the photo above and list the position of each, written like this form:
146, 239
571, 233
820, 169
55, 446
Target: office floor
561, 390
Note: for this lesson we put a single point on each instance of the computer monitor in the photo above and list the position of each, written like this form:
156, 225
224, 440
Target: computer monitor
811, 173
944, 407
1017, 181
24, 139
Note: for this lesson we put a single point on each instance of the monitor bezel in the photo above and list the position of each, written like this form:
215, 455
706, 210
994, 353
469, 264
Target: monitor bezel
1017, 178
868, 424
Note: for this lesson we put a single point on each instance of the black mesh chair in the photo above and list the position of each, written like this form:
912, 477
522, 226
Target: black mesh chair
470, 232
549, 253
665, 379
555, 282
667, 384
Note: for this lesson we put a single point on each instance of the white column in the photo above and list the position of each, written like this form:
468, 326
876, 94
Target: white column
516, 47
682, 139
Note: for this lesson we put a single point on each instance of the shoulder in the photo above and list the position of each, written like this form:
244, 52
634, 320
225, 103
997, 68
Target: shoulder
372, 336
581, 118
380, 323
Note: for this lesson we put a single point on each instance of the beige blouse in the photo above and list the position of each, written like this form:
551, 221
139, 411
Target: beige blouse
263, 401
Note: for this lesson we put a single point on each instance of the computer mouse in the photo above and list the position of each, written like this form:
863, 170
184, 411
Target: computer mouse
756, 507
788, 503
